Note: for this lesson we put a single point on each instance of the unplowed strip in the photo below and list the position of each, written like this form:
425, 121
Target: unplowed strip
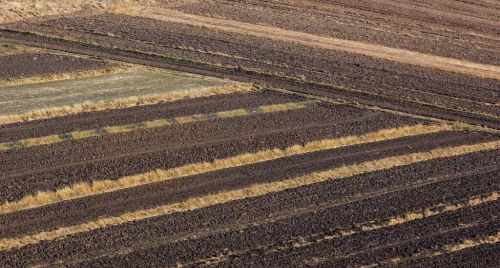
64, 76
252, 191
152, 124
269, 219
351, 230
446, 249
7, 49
137, 114
123, 103
394, 54
151, 195
98, 187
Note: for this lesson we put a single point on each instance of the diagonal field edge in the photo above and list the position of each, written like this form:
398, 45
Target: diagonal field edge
344, 231
247, 192
356, 47
84, 189
81, 134
127, 102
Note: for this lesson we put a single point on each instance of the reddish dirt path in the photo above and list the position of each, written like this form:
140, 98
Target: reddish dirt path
378, 51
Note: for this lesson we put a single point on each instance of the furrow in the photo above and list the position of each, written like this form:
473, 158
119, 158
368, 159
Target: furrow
247, 192
81, 134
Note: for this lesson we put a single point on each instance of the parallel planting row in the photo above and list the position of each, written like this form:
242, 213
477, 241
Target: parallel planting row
332, 149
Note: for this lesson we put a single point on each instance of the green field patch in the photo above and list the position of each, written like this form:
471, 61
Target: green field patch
138, 82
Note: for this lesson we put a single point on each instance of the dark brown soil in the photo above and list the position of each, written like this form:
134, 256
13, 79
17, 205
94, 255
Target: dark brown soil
38, 64
114, 156
152, 195
403, 25
295, 227
338, 75
276, 218
95, 120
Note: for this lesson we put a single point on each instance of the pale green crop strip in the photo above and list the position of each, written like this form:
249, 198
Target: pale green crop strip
24, 143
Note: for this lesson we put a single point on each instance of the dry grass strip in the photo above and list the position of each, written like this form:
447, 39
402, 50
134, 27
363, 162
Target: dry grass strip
81, 134
125, 103
465, 244
247, 192
84, 189
66, 76
338, 232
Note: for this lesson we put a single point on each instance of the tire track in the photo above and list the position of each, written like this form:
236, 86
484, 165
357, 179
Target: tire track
393, 54
82, 134
232, 234
84, 189
345, 231
446, 249
244, 193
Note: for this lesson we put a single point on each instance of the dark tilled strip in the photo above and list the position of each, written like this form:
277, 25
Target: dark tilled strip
148, 196
194, 65
158, 152
160, 122
294, 257
272, 236
270, 219
267, 55
37, 64
425, 235
395, 32
480, 256
93, 120
174, 136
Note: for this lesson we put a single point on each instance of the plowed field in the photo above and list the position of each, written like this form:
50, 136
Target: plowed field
251, 134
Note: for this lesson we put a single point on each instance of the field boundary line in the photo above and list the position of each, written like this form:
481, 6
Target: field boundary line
65, 76
84, 189
126, 102
291, 213
161, 122
458, 124
367, 49
187, 66
446, 249
255, 190
343, 231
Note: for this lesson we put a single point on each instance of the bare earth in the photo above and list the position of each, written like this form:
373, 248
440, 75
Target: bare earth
257, 133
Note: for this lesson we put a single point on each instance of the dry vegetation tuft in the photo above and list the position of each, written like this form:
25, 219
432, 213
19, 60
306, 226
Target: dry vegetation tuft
66, 76
338, 232
16, 10
446, 249
84, 189
81, 134
125, 102
247, 192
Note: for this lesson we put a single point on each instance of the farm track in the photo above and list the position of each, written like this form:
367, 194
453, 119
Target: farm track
335, 93
339, 149
342, 21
